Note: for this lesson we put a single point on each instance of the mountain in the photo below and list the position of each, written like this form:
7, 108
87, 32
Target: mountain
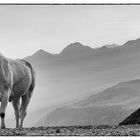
111, 45
76, 49
108, 107
40, 54
80, 71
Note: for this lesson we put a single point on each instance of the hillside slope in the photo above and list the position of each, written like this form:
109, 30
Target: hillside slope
108, 107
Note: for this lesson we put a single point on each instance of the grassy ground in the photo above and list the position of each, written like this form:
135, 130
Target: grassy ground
103, 130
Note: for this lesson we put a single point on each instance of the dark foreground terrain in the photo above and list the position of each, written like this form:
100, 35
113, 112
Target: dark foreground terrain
104, 130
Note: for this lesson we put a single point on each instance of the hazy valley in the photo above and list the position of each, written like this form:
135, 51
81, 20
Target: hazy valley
85, 86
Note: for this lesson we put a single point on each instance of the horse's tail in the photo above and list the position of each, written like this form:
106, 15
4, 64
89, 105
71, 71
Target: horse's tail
31, 88
33, 77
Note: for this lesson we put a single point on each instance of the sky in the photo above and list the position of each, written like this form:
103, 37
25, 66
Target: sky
24, 29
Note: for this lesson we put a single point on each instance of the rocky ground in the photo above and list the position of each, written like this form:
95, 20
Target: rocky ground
104, 130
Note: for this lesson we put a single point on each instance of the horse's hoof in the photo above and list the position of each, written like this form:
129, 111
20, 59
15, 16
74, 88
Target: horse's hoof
10, 99
3, 127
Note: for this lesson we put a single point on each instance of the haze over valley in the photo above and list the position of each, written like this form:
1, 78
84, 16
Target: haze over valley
85, 84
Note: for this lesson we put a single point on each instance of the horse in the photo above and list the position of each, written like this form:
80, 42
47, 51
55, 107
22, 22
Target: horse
17, 82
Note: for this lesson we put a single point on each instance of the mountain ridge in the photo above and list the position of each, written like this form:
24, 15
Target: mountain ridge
71, 47
78, 46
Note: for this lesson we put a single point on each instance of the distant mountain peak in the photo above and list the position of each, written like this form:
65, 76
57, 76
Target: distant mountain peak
41, 52
76, 48
76, 44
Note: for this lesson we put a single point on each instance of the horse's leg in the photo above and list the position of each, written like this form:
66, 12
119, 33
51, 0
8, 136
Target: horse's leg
16, 106
25, 101
4, 102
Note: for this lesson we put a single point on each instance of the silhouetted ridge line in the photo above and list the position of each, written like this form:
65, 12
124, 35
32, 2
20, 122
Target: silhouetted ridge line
132, 119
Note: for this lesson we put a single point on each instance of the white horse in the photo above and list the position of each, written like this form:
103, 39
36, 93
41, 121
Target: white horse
17, 81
